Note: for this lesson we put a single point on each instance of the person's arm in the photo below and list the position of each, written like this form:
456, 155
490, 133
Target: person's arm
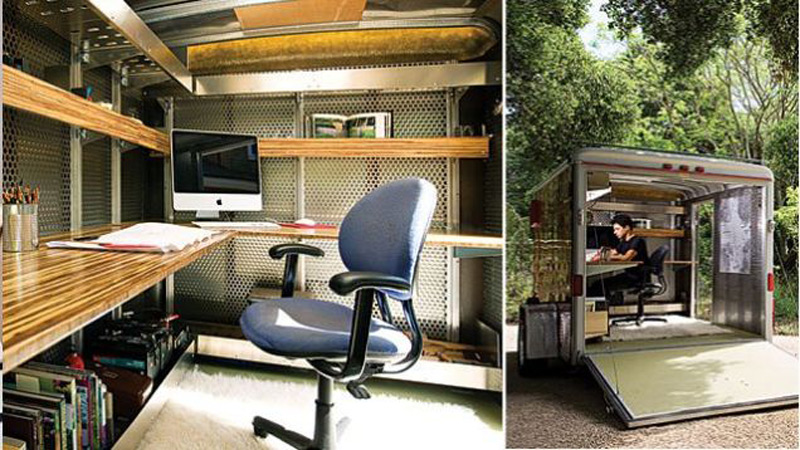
628, 256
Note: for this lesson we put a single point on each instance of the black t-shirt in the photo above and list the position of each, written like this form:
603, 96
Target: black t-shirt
640, 246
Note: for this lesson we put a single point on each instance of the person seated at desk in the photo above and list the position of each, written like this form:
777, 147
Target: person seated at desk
630, 248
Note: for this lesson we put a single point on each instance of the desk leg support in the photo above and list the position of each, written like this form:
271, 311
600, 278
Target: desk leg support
169, 294
77, 341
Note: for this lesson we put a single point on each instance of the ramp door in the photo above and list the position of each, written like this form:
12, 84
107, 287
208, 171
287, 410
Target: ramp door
658, 385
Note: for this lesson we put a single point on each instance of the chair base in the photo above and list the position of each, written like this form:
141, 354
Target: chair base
325, 433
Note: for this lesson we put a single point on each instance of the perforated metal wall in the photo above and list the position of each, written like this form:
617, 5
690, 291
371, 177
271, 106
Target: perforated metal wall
215, 288
264, 116
331, 186
97, 182
134, 185
493, 305
35, 149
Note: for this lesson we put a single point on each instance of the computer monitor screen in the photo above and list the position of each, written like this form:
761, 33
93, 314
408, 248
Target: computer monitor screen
215, 171
600, 236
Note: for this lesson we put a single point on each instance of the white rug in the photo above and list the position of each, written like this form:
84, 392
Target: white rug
215, 412
676, 326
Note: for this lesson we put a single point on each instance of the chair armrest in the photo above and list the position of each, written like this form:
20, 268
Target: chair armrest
293, 248
348, 282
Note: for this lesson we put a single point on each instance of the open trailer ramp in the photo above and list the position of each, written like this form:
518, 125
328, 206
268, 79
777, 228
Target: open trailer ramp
651, 386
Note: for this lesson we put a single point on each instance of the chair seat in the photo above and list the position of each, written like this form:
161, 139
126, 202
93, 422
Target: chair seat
315, 329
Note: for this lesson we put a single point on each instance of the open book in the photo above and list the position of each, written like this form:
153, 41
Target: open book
372, 125
143, 237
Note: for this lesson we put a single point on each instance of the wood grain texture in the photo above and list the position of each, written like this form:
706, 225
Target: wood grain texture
434, 239
457, 147
50, 293
659, 233
637, 207
31, 94
636, 192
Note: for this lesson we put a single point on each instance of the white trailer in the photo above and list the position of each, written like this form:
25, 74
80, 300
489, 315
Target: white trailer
690, 366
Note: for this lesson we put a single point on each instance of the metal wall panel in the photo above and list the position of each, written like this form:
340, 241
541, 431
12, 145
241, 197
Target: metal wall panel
333, 185
738, 298
36, 149
263, 116
215, 289
493, 306
97, 182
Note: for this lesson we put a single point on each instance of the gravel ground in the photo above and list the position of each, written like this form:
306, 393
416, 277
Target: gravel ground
566, 410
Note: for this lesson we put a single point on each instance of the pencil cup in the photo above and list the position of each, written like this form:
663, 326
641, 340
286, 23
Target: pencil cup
20, 227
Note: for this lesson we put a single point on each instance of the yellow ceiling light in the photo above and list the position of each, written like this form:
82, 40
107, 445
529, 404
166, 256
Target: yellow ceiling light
340, 49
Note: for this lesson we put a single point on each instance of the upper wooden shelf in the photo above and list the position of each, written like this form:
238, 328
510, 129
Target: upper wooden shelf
456, 147
28, 93
659, 233
31, 94
637, 208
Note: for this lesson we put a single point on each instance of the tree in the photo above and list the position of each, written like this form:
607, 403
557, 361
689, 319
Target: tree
559, 97
776, 20
690, 32
757, 98
687, 30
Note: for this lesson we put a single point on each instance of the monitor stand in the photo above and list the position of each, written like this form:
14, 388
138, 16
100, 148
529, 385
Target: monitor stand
206, 215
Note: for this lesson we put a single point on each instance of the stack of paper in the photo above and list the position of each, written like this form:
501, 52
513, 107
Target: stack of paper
143, 237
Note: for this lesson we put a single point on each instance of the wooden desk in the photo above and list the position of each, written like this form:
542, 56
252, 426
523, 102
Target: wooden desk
434, 239
601, 267
50, 293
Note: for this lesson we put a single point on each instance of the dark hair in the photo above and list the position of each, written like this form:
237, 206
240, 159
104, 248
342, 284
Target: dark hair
623, 220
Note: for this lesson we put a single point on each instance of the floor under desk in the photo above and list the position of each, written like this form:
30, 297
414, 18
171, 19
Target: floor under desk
210, 404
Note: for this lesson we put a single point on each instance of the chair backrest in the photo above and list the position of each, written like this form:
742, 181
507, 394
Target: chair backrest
385, 231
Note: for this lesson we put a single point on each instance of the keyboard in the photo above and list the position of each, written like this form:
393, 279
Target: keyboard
235, 225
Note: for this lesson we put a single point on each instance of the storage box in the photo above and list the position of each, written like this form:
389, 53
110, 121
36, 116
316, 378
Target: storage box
596, 323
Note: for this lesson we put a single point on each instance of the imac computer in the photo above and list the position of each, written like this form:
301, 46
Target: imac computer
214, 172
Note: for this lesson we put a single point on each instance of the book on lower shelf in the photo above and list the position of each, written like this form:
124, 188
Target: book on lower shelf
369, 125
57, 407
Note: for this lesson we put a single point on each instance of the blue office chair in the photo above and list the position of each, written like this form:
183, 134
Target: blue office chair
380, 241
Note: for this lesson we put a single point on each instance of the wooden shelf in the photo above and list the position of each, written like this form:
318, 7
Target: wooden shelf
646, 193
637, 208
659, 233
434, 239
36, 96
457, 147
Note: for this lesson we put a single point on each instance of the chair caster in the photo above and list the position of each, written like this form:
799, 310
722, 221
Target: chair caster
358, 390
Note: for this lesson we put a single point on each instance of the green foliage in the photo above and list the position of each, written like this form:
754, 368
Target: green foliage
780, 153
786, 308
686, 113
559, 97
776, 20
519, 259
687, 30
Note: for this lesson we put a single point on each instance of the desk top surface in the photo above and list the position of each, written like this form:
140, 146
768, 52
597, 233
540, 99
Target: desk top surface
50, 293
434, 238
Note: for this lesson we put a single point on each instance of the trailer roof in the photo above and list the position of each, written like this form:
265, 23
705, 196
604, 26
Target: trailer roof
688, 165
